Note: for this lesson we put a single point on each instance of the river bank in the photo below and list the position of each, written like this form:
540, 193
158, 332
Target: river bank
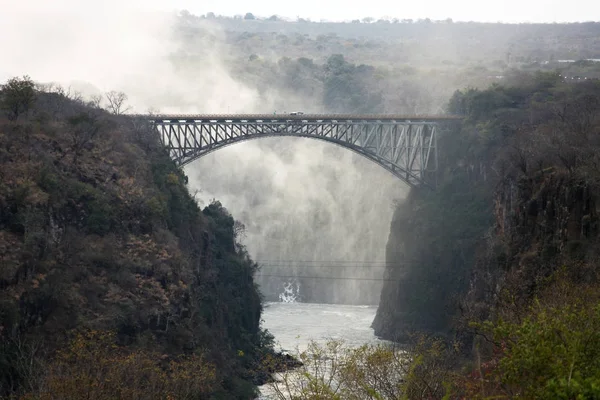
296, 325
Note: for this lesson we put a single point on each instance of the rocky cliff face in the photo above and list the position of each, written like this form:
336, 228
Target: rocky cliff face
433, 242
390, 314
517, 200
536, 224
542, 223
99, 233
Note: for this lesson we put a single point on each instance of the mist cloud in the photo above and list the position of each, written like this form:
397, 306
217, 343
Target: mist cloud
117, 46
300, 199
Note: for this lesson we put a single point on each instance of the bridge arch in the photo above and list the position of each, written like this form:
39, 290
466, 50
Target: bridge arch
404, 146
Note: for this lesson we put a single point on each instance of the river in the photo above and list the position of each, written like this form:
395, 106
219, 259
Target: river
294, 325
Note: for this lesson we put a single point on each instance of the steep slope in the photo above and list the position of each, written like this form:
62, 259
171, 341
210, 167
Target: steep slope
99, 234
433, 243
516, 184
505, 254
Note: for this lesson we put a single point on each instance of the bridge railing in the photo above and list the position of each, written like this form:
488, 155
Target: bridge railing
302, 117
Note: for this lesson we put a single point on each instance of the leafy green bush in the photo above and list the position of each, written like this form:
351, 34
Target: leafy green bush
91, 205
552, 354
550, 351
17, 96
333, 371
100, 217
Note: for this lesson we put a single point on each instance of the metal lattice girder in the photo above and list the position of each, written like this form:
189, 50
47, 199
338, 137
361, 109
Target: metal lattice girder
405, 146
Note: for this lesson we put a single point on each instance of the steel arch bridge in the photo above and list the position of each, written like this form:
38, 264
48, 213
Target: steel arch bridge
406, 146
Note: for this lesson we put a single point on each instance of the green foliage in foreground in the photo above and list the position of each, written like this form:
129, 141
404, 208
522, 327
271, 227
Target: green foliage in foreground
550, 351
335, 371
552, 354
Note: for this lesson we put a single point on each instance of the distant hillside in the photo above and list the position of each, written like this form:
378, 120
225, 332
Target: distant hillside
414, 42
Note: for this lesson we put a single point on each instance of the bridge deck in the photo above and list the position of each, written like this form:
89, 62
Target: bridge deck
303, 117
405, 145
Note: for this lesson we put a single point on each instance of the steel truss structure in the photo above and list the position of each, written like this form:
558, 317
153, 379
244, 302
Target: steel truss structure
406, 146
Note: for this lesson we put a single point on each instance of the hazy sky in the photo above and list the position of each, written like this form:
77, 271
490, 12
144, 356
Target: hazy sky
460, 10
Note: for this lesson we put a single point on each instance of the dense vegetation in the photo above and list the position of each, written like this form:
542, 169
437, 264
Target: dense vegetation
389, 42
504, 255
112, 280
414, 65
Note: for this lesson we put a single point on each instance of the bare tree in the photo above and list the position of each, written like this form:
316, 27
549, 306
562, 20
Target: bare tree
153, 111
116, 102
45, 87
239, 230
69, 94
26, 359
96, 101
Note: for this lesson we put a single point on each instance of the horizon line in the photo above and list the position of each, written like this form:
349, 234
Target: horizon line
386, 20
